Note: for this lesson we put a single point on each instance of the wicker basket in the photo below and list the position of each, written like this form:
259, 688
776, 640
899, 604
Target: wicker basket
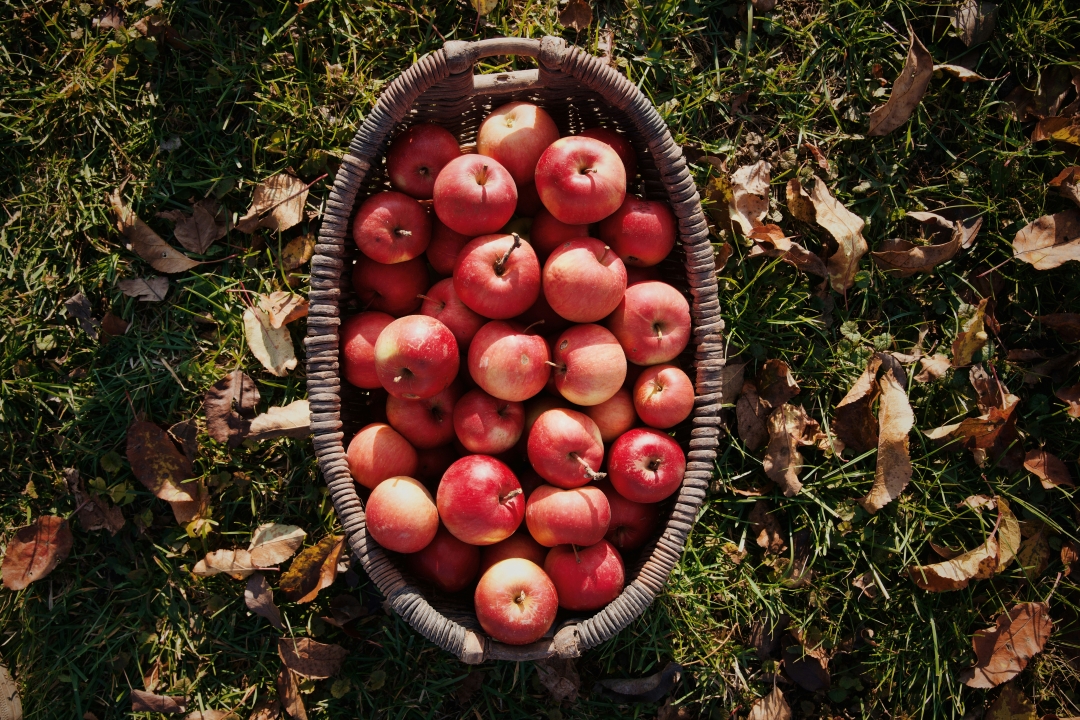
579, 91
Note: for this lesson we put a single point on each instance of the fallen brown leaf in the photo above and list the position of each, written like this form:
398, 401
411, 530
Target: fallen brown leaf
750, 195
229, 404
1050, 241
259, 598
35, 551
819, 157
1012, 704
771, 707
186, 433
277, 204
577, 15
750, 414
146, 243
289, 693
1063, 129
1050, 470
78, 307
211, 715
198, 231
906, 259
769, 534
292, 420
997, 552
1067, 183
1003, 651
159, 26
972, 338
934, 367
854, 423
1070, 554
94, 511
807, 666
145, 289
799, 204
111, 19
142, 701
344, 609
769, 241
1067, 325
1034, 553
866, 584
649, 689
559, 676
775, 383
113, 326
274, 543
271, 346
298, 252
158, 465
893, 470
846, 228
974, 21
907, 92
269, 708
282, 307
943, 551
789, 427
312, 570
236, 563
720, 195
311, 659
936, 226
1071, 397
959, 72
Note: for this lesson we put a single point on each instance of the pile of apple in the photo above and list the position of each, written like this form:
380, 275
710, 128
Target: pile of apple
541, 319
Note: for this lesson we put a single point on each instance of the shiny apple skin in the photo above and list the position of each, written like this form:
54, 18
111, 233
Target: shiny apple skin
519, 545
487, 425
491, 287
480, 500
584, 280
620, 145
444, 247
416, 357
427, 423
401, 515
559, 440
516, 135
417, 156
590, 366
393, 289
632, 523
358, 336
508, 362
378, 452
474, 195
663, 396
585, 578
515, 602
580, 180
446, 562
547, 233
391, 227
642, 232
652, 323
646, 466
443, 304
575, 516
614, 416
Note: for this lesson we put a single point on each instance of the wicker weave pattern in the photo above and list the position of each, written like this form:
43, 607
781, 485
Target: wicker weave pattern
579, 91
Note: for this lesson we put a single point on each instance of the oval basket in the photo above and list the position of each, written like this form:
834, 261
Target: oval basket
579, 91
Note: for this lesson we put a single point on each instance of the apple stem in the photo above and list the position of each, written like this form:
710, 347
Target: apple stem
520, 598
607, 249
482, 179
548, 362
577, 558
659, 334
397, 379
422, 296
589, 472
512, 494
530, 327
500, 264
403, 233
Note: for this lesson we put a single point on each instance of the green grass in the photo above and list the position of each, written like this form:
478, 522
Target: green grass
266, 88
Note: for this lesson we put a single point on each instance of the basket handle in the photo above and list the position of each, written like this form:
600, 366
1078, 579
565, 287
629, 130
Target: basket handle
461, 55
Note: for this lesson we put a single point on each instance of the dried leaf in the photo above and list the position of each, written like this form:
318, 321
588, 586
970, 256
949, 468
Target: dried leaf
974, 21
210, 715
799, 204
113, 326
771, 707
935, 224
311, 659
259, 598
1008, 531
236, 563
946, 552
1012, 704
35, 551
1003, 651
94, 511
271, 346
775, 383
907, 92
559, 677
1062, 129
819, 157
750, 195
1070, 553
198, 231
846, 228
289, 692
111, 19
576, 15
958, 572
1050, 470
344, 609
770, 535
769, 241
146, 290
605, 46
282, 307
809, 669
720, 195
1050, 241
1067, 325
292, 420
959, 72
972, 338
934, 367
78, 307
854, 423
893, 471
483, 7
274, 543
298, 252
1067, 183
906, 259
650, 688
269, 708
731, 380
788, 427
158, 465
1071, 397
1034, 553
750, 413
146, 243
313, 569
142, 701
866, 584
277, 204
228, 405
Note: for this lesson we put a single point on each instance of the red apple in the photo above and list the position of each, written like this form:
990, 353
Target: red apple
518, 545
475, 195
497, 276
416, 357
394, 289
663, 396
547, 233
642, 232
632, 524
589, 364
515, 601
635, 275
426, 423
487, 425
584, 280
444, 247
652, 323
528, 203
646, 466
620, 145
433, 463
480, 500
379, 452
580, 180
390, 227
401, 516
441, 302
541, 316
358, 336
565, 448
446, 562
585, 578
614, 416
508, 361
417, 156
576, 516
516, 135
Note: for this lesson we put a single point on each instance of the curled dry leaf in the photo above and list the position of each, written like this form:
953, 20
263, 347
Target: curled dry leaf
992, 433
560, 678
78, 307
1004, 650
271, 346
1034, 553
906, 259
269, 708
799, 203
577, 15
313, 569
159, 26
750, 413
198, 231
770, 536
113, 325
846, 228
211, 715
1050, 241
146, 243
1067, 325
298, 252
650, 688
983, 562
1062, 128
158, 465
1050, 470
94, 511
789, 427
854, 423
893, 471
907, 92
866, 584
959, 72
259, 598
277, 204
1071, 397
974, 21
771, 707
934, 367
289, 693
807, 666
311, 659
142, 701
972, 338
1070, 554
186, 433
750, 195
282, 307
236, 563
937, 226
1067, 183
145, 289
292, 420
769, 240
35, 551
1012, 704
228, 405
776, 385
274, 543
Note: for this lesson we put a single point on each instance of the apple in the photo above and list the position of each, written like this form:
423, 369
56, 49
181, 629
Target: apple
641, 231
620, 145
518, 545
515, 601
541, 316
635, 275
652, 323
426, 423
446, 562
444, 247
584, 280
391, 227
417, 156
585, 578
432, 463
580, 180
508, 361
393, 289
663, 396
614, 416
646, 466
565, 448
480, 500
497, 275
379, 452
547, 233
441, 302
416, 357
358, 336
589, 364
528, 203
401, 516
475, 195
534, 408
632, 524
487, 425
575, 516
516, 135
